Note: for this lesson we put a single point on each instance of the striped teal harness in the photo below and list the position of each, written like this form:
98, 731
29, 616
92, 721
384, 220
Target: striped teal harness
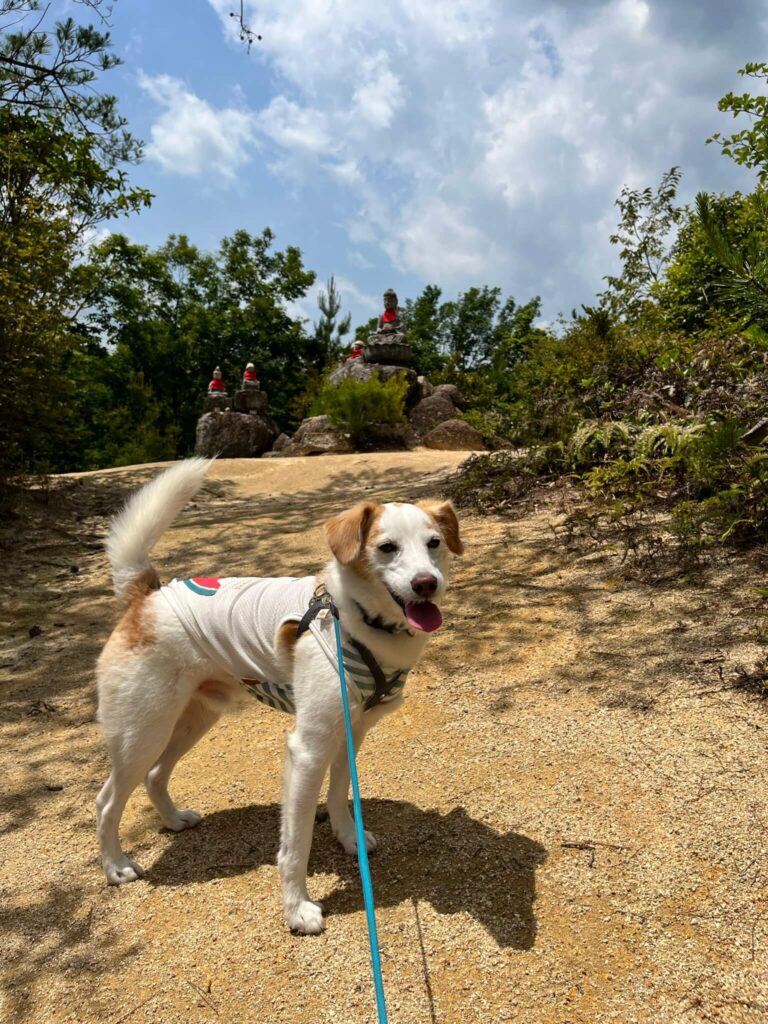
360, 683
366, 680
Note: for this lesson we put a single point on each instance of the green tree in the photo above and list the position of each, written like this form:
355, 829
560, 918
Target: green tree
422, 322
645, 234
61, 145
52, 70
691, 294
467, 327
364, 409
747, 146
744, 281
515, 337
168, 316
329, 330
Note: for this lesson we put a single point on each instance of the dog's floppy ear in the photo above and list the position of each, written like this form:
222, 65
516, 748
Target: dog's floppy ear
445, 516
347, 533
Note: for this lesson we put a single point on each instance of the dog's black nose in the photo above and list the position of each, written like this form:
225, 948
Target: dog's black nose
425, 584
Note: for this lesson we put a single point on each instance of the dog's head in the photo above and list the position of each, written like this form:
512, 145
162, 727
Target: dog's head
400, 553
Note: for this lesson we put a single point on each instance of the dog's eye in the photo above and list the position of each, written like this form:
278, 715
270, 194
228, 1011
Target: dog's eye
434, 543
387, 548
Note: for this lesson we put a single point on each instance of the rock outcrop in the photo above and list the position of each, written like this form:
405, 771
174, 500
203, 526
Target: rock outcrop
234, 435
238, 427
452, 393
454, 435
430, 411
317, 436
362, 371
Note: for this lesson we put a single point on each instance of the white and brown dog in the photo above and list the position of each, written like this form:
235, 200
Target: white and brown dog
184, 651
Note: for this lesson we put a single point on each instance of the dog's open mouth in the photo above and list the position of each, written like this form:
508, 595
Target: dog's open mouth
422, 615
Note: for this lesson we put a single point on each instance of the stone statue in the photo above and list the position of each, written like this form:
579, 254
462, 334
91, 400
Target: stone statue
390, 318
217, 386
250, 398
357, 351
387, 345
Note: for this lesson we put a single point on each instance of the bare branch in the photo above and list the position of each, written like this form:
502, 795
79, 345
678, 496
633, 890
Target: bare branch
247, 35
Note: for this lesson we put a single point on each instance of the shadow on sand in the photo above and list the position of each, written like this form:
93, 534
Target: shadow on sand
450, 860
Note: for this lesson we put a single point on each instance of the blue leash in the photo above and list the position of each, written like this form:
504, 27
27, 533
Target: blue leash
362, 851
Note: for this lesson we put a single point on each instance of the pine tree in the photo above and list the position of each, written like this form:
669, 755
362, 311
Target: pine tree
329, 336
745, 288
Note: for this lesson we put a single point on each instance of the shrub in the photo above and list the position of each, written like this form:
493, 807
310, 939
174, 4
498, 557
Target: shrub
493, 423
359, 407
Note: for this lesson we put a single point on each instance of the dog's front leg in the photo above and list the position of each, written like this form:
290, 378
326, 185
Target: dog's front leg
342, 822
308, 754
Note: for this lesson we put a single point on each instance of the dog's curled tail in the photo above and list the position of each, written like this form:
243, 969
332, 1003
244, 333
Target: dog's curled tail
146, 516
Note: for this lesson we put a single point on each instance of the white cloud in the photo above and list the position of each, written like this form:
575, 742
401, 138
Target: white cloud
190, 137
437, 241
348, 172
379, 93
295, 127
350, 294
485, 141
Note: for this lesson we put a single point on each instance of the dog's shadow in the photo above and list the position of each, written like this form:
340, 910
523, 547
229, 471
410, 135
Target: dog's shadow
451, 860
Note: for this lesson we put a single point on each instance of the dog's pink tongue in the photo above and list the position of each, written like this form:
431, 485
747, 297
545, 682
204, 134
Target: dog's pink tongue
424, 615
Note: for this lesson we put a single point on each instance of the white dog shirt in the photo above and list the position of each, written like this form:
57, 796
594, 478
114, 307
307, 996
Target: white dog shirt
234, 622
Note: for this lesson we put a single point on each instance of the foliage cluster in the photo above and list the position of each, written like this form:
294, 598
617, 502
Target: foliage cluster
363, 408
656, 400
62, 144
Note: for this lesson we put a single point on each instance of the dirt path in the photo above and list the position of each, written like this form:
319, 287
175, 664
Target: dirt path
571, 807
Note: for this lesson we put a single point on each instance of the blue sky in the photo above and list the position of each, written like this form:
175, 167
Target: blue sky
456, 142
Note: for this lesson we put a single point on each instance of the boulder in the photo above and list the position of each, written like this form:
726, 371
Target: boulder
430, 411
454, 435
313, 425
318, 436
234, 435
452, 393
390, 437
282, 442
332, 442
501, 444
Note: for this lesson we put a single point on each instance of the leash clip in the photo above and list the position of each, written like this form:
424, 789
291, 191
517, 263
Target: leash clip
320, 605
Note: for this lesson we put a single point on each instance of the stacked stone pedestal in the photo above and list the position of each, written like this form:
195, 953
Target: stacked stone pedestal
388, 349
216, 403
236, 428
433, 413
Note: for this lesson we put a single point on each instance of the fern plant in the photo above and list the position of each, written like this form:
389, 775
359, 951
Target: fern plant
595, 439
661, 439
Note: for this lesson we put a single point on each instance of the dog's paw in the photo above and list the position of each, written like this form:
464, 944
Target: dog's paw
121, 871
306, 919
182, 820
348, 840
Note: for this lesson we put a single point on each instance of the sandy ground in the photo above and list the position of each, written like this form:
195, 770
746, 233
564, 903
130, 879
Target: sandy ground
571, 806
